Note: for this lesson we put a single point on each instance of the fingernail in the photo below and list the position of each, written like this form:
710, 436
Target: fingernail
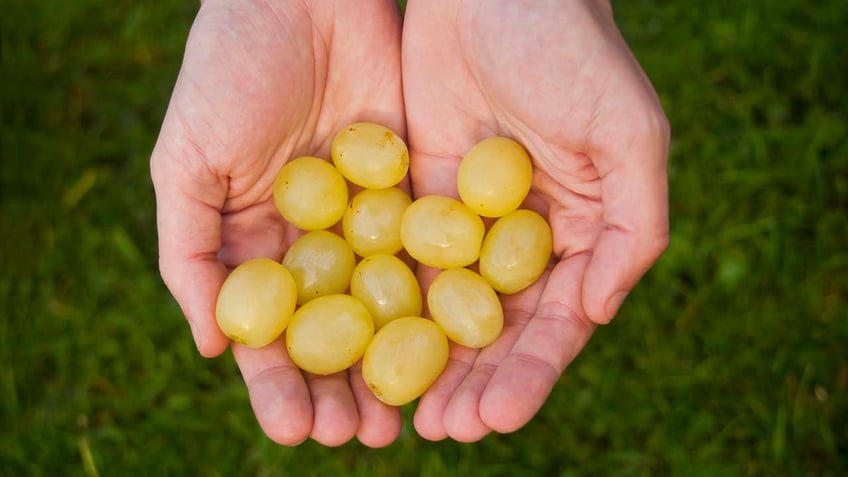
614, 303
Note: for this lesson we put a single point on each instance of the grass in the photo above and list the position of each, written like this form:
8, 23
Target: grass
728, 359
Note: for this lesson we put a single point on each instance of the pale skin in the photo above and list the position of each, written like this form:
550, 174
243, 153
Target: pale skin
265, 82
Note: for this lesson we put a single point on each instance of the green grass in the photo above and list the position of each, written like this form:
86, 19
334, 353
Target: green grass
730, 357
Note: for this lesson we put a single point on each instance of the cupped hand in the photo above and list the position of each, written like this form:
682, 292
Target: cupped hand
262, 83
559, 78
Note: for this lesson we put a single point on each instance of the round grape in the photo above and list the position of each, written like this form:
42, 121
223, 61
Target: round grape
310, 193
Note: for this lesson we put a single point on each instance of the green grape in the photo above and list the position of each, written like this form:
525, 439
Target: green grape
516, 251
329, 334
371, 223
387, 287
370, 155
321, 263
310, 193
441, 232
495, 176
256, 302
466, 307
404, 359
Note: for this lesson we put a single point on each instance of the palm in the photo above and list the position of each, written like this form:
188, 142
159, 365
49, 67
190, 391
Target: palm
552, 78
262, 83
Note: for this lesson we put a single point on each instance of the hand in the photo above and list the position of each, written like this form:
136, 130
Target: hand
559, 78
261, 83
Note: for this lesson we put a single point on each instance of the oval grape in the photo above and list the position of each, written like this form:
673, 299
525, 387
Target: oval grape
466, 307
256, 302
371, 224
387, 287
516, 251
370, 155
404, 359
495, 176
329, 334
441, 232
321, 263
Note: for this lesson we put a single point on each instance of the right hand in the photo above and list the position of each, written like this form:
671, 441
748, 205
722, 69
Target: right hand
262, 83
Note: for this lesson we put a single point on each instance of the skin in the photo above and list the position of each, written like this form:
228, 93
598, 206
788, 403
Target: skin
558, 77
265, 82
261, 83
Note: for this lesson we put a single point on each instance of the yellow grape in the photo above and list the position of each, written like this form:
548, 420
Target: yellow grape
370, 155
387, 287
256, 302
371, 223
310, 193
321, 263
405, 357
495, 176
466, 307
329, 334
516, 251
441, 232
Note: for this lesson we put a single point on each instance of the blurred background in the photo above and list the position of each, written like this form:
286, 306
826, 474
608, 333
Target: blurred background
729, 358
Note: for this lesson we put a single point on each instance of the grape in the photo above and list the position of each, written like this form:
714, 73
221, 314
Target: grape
387, 287
321, 263
495, 176
405, 357
256, 302
371, 223
310, 193
441, 232
466, 307
370, 155
329, 334
516, 251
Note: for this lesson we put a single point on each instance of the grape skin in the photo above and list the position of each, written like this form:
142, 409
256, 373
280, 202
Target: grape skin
516, 251
256, 302
441, 232
495, 176
387, 287
466, 307
370, 155
310, 193
321, 263
329, 334
371, 224
404, 359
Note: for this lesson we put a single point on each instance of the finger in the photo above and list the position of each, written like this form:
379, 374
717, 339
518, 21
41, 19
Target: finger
635, 197
462, 416
553, 337
429, 418
188, 202
379, 424
278, 392
336, 419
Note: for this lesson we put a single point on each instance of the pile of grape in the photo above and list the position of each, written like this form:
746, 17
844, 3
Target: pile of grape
336, 311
